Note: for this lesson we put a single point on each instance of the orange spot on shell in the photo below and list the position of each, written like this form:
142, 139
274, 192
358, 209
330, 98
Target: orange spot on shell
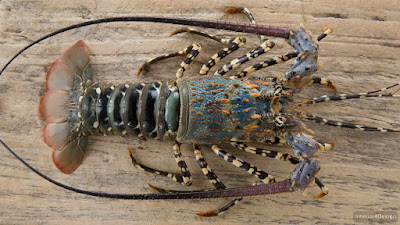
224, 100
267, 131
255, 95
250, 85
250, 128
262, 82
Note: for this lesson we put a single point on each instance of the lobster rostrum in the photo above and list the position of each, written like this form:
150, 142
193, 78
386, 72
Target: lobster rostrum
203, 110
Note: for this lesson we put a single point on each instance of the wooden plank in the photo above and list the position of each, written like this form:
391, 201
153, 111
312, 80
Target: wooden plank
361, 55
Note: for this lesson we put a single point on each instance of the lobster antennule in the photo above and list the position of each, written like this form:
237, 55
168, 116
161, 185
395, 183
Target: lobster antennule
60, 107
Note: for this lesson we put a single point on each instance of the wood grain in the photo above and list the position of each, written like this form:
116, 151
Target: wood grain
362, 54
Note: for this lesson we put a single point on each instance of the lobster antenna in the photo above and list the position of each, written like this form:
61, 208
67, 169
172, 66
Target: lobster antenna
239, 27
264, 189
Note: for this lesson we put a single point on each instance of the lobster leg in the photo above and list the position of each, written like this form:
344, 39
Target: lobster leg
324, 81
233, 10
185, 178
263, 176
266, 153
276, 141
263, 48
146, 64
224, 41
266, 63
234, 45
346, 125
196, 48
173, 176
215, 181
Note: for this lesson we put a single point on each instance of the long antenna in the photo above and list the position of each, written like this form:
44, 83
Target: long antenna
263, 189
275, 31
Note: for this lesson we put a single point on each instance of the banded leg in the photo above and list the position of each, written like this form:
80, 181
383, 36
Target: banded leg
233, 10
187, 177
224, 41
196, 48
173, 176
324, 189
280, 141
346, 125
215, 181
267, 63
262, 175
234, 45
263, 152
341, 97
263, 48
324, 81
186, 51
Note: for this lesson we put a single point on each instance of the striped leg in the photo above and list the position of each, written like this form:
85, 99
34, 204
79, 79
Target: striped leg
194, 52
341, 97
323, 188
175, 177
263, 48
267, 63
274, 154
266, 153
224, 41
215, 181
346, 125
187, 177
183, 52
263, 176
280, 141
234, 45
273, 61
233, 10
324, 81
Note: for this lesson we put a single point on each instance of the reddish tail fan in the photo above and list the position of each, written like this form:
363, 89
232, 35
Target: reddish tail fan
60, 107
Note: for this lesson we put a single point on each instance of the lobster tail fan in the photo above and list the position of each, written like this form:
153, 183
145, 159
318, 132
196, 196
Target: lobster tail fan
60, 107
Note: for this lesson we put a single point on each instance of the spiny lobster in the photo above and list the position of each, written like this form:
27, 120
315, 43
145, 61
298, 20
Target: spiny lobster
205, 110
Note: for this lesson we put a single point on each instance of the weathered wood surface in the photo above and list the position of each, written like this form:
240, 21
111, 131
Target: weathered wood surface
362, 54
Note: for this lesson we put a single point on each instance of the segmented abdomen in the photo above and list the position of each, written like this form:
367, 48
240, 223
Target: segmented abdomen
124, 109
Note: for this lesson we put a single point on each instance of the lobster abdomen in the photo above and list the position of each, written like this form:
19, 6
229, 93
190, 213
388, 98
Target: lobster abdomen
74, 108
